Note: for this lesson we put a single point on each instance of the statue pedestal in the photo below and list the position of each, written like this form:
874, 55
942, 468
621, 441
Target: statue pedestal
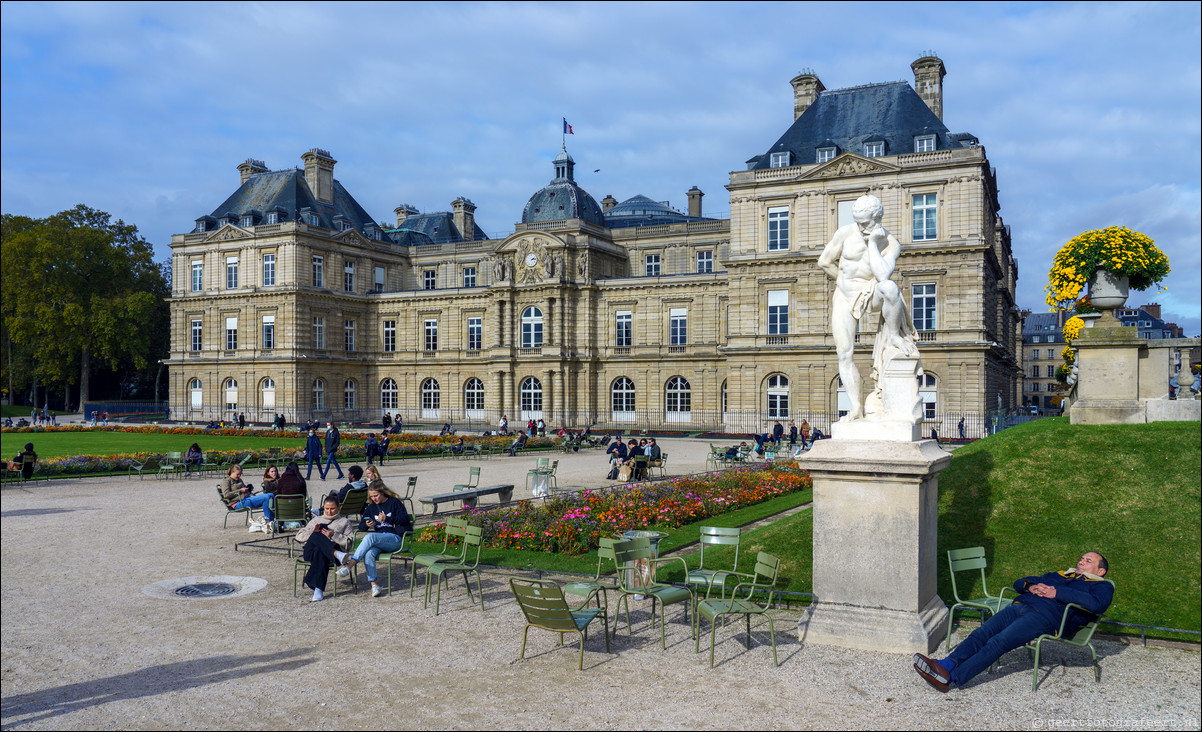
1108, 375
875, 532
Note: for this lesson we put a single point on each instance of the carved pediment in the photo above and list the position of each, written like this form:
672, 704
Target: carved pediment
228, 232
849, 164
352, 236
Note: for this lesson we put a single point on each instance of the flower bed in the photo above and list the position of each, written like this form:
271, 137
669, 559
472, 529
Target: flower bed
574, 524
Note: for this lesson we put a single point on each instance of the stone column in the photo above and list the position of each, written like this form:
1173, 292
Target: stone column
875, 532
500, 394
550, 398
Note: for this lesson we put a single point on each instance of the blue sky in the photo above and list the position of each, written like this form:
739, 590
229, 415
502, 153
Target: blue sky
1089, 112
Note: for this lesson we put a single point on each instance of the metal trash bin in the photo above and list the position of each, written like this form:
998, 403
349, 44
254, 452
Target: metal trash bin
642, 566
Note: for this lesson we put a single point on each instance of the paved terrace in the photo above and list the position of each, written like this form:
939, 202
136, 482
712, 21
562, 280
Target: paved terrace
84, 648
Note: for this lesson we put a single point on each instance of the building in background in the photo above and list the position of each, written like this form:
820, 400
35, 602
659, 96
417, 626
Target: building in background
289, 298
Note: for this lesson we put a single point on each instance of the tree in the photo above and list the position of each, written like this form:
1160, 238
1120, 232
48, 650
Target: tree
79, 288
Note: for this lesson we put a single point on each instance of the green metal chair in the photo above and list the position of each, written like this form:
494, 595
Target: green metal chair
299, 565
661, 465
766, 569
403, 554
965, 560
634, 578
287, 509
640, 467
353, 502
595, 587
473, 479
245, 511
173, 464
473, 536
1082, 638
455, 527
709, 578
544, 606
149, 464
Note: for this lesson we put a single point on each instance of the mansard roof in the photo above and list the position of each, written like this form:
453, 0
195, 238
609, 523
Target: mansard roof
435, 228
287, 191
1041, 324
642, 211
847, 118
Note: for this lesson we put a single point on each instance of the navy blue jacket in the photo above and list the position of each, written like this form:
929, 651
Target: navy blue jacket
313, 448
396, 518
1094, 595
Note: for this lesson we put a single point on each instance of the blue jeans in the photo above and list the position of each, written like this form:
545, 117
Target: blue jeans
309, 468
371, 547
1015, 626
331, 459
263, 501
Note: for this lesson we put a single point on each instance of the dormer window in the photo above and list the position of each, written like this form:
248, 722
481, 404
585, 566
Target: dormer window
826, 154
273, 217
780, 160
874, 149
248, 221
924, 143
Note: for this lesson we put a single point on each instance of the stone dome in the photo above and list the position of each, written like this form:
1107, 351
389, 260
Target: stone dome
562, 198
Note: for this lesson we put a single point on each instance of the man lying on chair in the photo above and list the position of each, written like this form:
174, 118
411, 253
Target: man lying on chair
1037, 610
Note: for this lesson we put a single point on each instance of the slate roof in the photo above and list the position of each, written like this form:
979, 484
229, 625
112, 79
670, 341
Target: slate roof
847, 118
562, 198
287, 191
1042, 324
642, 211
432, 228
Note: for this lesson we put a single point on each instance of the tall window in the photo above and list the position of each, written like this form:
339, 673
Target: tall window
349, 335
532, 327
429, 279
531, 396
319, 394
348, 277
231, 394
923, 306
475, 334
268, 270
319, 332
388, 394
778, 312
926, 394
705, 262
431, 327
473, 395
1035, 372
469, 276
231, 273
778, 228
624, 332
319, 271
778, 396
268, 332
197, 276
924, 217
651, 265
924, 143
1051, 370
678, 326
677, 396
197, 394
379, 279
431, 395
268, 393
390, 336
622, 398
197, 332
231, 334
348, 394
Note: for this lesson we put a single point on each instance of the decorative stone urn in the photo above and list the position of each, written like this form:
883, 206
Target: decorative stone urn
1107, 290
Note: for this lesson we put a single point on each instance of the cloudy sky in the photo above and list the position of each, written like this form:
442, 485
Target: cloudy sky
1089, 112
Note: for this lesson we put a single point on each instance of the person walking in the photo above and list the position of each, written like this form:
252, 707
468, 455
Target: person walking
333, 442
313, 454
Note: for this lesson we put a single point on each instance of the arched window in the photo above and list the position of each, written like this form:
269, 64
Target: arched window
927, 395
388, 394
473, 398
267, 389
319, 394
197, 393
678, 400
842, 401
348, 394
778, 396
231, 394
531, 396
622, 400
431, 398
724, 398
532, 328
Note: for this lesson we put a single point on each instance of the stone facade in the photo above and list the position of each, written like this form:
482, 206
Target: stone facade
682, 322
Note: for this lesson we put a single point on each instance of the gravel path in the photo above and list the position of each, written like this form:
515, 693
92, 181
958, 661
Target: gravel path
83, 647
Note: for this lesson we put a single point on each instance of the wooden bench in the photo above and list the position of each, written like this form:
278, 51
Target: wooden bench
504, 493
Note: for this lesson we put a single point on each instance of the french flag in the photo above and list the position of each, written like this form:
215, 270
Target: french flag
567, 128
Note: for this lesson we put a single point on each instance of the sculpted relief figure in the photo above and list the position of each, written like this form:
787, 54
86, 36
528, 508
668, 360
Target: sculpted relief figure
860, 258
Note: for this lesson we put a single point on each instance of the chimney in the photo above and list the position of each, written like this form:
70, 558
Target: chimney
695, 195
465, 218
1153, 309
608, 202
251, 167
806, 88
403, 212
928, 81
319, 174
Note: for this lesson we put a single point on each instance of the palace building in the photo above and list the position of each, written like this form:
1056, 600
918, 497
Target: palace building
290, 298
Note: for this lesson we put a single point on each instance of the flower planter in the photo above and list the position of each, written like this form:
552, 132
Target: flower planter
1107, 290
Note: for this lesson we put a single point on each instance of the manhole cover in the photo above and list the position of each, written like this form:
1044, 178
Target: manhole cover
207, 589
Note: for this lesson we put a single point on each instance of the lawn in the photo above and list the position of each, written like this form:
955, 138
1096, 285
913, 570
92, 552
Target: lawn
101, 442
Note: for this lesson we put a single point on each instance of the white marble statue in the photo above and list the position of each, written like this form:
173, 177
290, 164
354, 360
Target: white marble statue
860, 258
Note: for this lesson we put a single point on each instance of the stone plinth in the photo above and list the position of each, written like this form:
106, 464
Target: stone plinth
875, 532
1108, 375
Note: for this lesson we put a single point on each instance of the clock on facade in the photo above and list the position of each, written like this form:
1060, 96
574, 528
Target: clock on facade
531, 259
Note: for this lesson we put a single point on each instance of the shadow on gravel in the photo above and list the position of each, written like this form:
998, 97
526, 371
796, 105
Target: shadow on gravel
48, 703
41, 511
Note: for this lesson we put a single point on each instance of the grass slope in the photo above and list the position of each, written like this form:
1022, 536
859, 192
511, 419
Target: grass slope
65, 444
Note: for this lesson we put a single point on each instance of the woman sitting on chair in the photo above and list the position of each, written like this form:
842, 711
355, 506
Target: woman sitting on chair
239, 496
270, 477
326, 538
193, 458
386, 520
371, 476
